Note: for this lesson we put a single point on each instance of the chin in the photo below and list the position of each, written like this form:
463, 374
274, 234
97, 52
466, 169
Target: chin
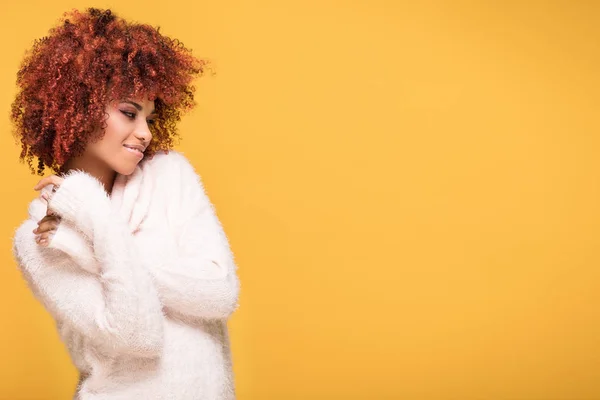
125, 169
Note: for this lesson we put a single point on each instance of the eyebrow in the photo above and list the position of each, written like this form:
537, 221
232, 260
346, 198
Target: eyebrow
136, 105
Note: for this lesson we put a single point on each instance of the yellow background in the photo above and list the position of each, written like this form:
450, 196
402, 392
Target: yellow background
411, 189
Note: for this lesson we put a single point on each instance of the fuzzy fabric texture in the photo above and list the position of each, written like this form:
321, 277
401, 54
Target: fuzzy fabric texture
140, 283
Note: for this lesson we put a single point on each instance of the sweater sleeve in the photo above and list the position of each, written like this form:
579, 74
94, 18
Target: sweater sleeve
118, 309
200, 281
71, 242
66, 238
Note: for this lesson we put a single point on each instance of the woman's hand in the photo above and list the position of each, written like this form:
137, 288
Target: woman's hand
49, 180
47, 225
46, 228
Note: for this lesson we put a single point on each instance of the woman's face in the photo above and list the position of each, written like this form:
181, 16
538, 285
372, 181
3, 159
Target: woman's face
126, 137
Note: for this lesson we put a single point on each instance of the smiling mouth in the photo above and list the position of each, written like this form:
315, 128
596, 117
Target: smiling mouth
135, 151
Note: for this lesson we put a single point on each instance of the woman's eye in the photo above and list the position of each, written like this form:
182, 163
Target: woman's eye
129, 115
151, 121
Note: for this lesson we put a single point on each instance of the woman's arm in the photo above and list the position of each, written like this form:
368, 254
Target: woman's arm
116, 310
65, 238
200, 281
120, 307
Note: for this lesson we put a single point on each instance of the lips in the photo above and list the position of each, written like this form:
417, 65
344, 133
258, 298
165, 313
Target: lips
135, 150
138, 147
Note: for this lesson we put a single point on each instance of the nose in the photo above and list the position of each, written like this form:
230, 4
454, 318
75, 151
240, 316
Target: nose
143, 133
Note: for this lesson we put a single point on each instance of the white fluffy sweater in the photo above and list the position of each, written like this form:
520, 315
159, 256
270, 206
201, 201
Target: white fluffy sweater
140, 283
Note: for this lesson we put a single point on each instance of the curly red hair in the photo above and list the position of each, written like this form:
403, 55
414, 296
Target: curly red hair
90, 59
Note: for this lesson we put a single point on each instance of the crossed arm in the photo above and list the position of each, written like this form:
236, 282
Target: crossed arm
116, 296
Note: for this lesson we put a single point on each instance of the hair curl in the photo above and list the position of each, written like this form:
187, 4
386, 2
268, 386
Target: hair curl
89, 59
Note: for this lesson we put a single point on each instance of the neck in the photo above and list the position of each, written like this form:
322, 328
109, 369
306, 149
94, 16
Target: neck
102, 172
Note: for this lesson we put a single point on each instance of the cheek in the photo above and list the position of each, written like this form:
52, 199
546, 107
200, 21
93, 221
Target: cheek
111, 141
116, 132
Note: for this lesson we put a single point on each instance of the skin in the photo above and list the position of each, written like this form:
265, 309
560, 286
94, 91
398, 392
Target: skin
127, 123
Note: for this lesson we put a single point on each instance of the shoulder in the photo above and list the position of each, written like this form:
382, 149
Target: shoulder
167, 158
175, 174
172, 164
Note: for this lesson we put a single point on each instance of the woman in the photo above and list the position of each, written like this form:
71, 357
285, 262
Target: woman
123, 247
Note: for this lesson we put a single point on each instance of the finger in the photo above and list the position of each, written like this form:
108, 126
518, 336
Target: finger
43, 182
50, 213
46, 223
45, 227
44, 231
44, 239
48, 180
49, 218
